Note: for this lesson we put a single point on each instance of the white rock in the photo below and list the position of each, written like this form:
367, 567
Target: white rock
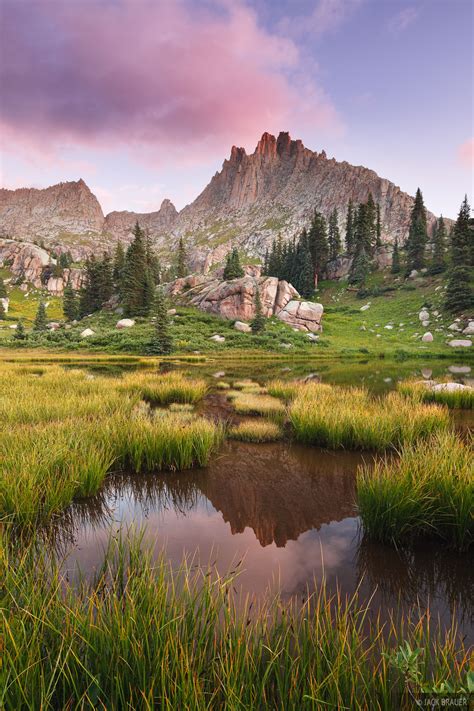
125, 323
171, 312
449, 387
388, 327
424, 315
243, 327
14, 327
219, 374
427, 337
217, 338
313, 337
426, 373
5, 303
286, 345
459, 369
365, 307
455, 327
413, 274
460, 343
87, 332
469, 330
425, 323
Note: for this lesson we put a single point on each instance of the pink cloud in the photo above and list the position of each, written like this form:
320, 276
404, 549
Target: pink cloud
153, 75
326, 16
466, 153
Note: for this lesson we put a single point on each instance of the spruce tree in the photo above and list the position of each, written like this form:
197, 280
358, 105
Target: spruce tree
161, 342
371, 216
105, 283
438, 262
2, 312
318, 245
138, 288
396, 267
378, 229
258, 321
19, 334
40, 322
181, 267
233, 268
350, 228
362, 230
334, 238
459, 294
3, 290
360, 268
417, 235
119, 266
70, 303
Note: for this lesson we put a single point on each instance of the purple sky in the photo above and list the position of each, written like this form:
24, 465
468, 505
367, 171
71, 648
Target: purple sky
144, 98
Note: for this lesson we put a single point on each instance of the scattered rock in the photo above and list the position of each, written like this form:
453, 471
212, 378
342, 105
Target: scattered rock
313, 337
125, 323
286, 345
426, 373
449, 387
217, 338
243, 327
306, 314
469, 330
171, 312
455, 327
427, 337
425, 323
389, 327
460, 343
219, 374
87, 332
365, 307
459, 369
5, 303
424, 315
413, 274
54, 325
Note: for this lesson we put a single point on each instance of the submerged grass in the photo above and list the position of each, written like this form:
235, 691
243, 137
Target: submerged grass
64, 430
350, 418
427, 492
142, 636
439, 393
256, 431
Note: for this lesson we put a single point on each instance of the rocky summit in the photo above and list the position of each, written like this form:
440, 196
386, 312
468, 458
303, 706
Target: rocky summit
247, 204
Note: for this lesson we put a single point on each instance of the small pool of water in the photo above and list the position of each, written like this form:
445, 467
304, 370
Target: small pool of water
285, 515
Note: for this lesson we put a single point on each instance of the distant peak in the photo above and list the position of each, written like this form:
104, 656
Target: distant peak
236, 154
266, 145
168, 206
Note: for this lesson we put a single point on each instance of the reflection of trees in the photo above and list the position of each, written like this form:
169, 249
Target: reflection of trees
418, 575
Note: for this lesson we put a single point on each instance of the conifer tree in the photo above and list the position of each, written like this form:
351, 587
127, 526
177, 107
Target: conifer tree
350, 228
438, 262
181, 266
258, 321
3, 290
396, 267
20, 334
318, 245
459, 294
70, 303
119, 266
334, 238
138, 288
378, 229
152, 261
362, 230
417, 235
360, 268
371, 217
2, 312
105, 284
40, 322
233, 268
161, 342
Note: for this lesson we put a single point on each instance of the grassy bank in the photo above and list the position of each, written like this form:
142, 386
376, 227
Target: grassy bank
142, 637
424, 392
350, 418
64, 430
427, 492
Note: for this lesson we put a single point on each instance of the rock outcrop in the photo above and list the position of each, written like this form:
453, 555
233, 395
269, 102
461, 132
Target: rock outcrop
36, 266
235, 300
160, 223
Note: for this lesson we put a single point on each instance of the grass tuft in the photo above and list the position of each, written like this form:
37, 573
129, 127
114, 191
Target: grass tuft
256, 431
440, 393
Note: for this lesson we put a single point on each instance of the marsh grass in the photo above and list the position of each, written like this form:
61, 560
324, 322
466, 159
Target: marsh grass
422, 392
64, 430
247, 403
256, 431
427, 492
142, 636
163, 389
351, 418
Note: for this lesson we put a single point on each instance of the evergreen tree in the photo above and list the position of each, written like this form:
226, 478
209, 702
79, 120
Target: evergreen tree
350, 237
438, 262
318, 245
362, 230
395, 259
105, 283
258, 321
2, 312
65, 260
20, 334
305, 270
3, 290
417, 235
161, 342
181, 268
233, 268
40, 322
459, 294
70, 303
360, 268
90, 294
152, 261
119, 267
371, 216
138, 288
334, 238
378, 236
265, 262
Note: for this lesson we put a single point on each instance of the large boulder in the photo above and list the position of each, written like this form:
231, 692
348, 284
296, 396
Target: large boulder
125, 323
339, 268
460, 343
305, 315
5, 303
24, 259
242, 327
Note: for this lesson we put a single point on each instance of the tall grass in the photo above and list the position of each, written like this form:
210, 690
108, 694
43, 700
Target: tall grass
64, 430
248, 403
350, 418
427, 492
141, 637
424, 392
256, 431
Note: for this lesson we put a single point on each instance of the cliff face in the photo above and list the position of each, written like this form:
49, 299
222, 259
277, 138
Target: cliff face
63, 213
249, 202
